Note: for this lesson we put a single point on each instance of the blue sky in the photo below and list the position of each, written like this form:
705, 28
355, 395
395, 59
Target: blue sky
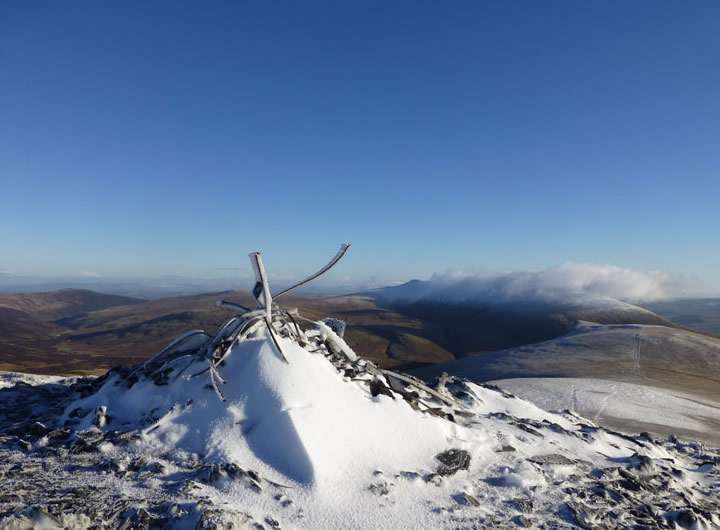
140, 139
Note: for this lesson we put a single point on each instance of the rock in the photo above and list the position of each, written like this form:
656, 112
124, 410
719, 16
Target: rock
377, 387
686, 518
213, 520
381, 488
59, 434
190, 488
91, 436
522, 521
551, 459
581, 515
42, 518
452, 461
529, 430
433, 478
467, 499
642, 462
272, 522
647, 436
522, 505
143, 518
38, 429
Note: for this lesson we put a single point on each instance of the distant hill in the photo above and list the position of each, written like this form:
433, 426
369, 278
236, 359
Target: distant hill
77, 331
486, 324
31, 339
59, 333
20, 325
63, 303
702, 314
647, 355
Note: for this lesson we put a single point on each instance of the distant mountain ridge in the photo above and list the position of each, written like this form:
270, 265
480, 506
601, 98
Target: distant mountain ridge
59, 332
484, 323
63, 303
78, 331
702, 314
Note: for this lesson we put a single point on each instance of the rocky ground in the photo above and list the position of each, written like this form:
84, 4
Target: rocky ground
53, 476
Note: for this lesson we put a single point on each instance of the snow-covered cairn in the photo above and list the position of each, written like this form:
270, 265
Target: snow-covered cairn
325, 337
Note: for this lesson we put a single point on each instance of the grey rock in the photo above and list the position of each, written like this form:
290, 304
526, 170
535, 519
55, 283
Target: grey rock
377, 387
551, 459
581, 515
38, 429
529, 430
433, 478
272, 522
686, 518
380, 488
59, 434
212, 520
522, 521
467, 499
452, 461
523, 505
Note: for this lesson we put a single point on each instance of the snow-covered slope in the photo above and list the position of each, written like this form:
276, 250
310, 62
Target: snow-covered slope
267, 424
629, 407
651, 366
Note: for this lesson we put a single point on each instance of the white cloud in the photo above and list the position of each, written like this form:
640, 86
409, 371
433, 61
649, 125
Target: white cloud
569, 280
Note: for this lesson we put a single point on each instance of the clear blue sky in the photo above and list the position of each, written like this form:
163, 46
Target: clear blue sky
166, 137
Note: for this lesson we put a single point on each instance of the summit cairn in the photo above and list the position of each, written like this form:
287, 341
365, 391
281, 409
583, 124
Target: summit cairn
324, 336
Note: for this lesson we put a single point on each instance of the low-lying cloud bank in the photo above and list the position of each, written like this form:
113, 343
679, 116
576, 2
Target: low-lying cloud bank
562, 283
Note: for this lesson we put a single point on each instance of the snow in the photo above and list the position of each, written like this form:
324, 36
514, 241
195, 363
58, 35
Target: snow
622, 405
9, 379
